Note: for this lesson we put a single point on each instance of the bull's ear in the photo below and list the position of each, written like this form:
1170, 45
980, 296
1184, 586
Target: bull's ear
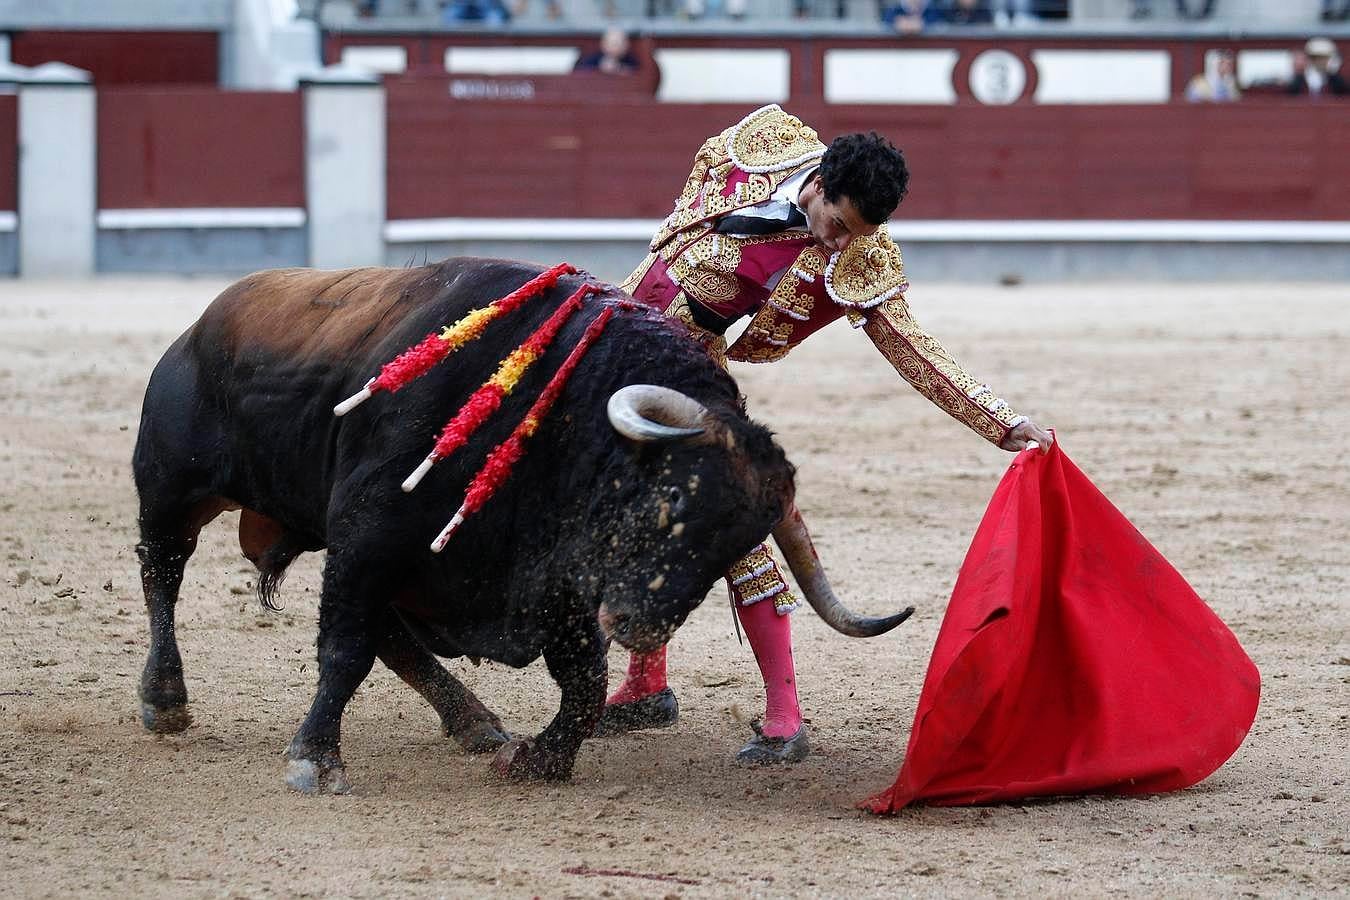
717, 434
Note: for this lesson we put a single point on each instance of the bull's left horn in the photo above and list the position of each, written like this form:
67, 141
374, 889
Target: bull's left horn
649, 412
795, 542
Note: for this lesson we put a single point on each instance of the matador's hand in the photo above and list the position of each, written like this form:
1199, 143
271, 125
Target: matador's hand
1028, 431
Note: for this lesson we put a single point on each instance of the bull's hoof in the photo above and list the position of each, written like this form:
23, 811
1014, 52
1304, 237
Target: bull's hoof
165, 719
308, 777
521, 760
511, 759
480, 736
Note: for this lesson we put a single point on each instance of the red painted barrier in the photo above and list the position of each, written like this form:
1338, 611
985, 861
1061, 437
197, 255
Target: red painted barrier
199, 147
579, 157
125, 57
9, 152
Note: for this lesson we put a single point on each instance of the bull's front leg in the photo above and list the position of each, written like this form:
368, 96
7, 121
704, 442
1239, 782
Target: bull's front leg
347, 646
577, 662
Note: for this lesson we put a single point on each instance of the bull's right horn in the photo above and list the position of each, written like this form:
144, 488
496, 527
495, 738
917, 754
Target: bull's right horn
649, 412
795, 542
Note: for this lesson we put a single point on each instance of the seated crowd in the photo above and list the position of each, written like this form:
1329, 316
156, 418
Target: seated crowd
908, 16
1315, 71
905, 16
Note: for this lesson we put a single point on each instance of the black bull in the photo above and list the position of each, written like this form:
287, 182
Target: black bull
591, 525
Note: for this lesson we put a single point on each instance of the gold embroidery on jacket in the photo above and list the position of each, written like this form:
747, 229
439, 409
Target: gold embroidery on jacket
771, 145
768, 337
869, 271
706, 268
770, 138
630, 284
927, 365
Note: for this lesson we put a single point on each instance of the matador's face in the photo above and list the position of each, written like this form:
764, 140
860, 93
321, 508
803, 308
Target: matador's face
833, 225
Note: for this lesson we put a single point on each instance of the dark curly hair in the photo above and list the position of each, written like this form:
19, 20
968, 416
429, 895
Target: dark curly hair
869, 171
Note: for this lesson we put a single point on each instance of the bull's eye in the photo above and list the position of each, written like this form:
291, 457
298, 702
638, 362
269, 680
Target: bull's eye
675, 497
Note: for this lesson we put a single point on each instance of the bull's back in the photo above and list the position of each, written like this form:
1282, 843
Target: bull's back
241, 405
298, 317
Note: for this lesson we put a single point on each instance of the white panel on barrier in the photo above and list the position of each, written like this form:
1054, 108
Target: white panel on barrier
57, 179
1103, 76
344, 174
723, 76
385, 60
890, 76
1256, 66
401, 231
201, 217
511, 60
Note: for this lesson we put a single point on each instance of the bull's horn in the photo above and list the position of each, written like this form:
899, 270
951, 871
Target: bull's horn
649, 412
795, 542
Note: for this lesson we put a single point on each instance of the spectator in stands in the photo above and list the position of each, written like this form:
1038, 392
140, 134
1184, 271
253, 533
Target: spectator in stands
910, 16
615, 56
1317, 70
969, 12
1186, 9
734, 9
552, 8
489, 11
1220, 86
1015, 13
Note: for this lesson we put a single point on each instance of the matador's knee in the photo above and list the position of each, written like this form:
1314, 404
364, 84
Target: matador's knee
757, 577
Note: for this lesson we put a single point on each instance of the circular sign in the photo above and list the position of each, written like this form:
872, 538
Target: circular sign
997, 78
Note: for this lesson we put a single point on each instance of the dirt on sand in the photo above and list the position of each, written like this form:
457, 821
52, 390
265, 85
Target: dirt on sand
1214, 416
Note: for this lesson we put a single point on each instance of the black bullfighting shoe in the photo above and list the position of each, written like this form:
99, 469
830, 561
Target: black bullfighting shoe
659, 710
762, 750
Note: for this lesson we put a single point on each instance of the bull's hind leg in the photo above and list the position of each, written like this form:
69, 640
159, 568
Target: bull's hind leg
168, 537
463, 716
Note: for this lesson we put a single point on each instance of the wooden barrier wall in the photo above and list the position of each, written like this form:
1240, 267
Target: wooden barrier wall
594, 157
199, 147
602, 152
9, 152
125, 57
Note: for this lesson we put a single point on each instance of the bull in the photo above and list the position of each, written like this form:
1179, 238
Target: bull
632, 501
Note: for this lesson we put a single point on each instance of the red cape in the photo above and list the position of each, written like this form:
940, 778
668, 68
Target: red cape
1073, 659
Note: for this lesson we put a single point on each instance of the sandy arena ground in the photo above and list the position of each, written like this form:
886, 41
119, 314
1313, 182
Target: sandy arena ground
1214, 416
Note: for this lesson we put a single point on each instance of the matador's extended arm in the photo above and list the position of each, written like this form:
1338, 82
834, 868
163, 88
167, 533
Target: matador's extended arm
927, 365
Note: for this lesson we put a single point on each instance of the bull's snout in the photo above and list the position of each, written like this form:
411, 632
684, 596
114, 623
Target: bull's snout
631, 632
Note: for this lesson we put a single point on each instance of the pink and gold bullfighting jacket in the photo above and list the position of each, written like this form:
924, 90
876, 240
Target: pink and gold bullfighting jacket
787, 283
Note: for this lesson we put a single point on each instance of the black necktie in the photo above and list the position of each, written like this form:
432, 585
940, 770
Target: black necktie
761, 224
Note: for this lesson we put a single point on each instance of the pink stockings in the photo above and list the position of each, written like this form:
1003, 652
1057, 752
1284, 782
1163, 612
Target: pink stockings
646, 676
770, 636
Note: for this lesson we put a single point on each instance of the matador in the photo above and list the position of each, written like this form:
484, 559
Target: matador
774, 225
